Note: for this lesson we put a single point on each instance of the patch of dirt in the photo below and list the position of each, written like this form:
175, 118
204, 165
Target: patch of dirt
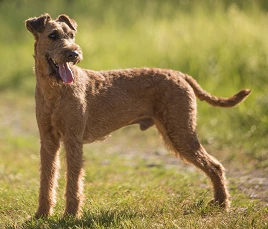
253, 183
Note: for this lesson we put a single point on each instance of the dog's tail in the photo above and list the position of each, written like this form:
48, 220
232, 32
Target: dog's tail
213, 100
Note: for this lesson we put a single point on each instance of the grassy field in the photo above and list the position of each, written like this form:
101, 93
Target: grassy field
132, 181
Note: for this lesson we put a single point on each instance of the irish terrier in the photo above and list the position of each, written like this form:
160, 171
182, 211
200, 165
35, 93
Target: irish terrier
78, 106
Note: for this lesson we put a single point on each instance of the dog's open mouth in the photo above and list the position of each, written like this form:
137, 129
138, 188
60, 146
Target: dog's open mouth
62, 70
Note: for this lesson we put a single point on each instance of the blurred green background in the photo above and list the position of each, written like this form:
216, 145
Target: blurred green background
223, 44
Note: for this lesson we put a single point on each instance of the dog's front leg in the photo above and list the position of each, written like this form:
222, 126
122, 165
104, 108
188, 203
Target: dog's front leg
49, 155
75, 173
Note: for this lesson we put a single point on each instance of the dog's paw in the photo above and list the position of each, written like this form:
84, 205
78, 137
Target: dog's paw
42, 214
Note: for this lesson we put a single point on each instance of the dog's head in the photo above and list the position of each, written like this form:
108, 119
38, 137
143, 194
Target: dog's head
55, 44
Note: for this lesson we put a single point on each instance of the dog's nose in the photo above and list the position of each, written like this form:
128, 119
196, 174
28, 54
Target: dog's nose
72, 55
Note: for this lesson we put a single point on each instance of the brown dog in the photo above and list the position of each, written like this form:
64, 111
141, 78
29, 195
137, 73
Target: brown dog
78, 106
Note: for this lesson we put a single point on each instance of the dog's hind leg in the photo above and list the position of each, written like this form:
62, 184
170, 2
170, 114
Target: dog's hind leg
177, 125
188, 148
213, 169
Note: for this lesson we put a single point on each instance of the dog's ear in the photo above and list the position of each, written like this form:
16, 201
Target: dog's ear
36, 25
70, 22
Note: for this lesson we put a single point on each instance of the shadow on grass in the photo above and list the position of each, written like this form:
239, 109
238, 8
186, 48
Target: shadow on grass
101, 219
112, 218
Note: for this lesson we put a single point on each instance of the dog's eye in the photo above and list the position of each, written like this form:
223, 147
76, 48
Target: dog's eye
71, 35
53, 36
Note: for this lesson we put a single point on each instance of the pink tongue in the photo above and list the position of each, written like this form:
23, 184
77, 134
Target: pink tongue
65, 73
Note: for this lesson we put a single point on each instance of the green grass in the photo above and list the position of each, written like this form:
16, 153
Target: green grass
131, 189
131, 180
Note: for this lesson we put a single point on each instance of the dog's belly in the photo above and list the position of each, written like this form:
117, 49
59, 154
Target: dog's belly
101, 129
89, 139
101, 122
